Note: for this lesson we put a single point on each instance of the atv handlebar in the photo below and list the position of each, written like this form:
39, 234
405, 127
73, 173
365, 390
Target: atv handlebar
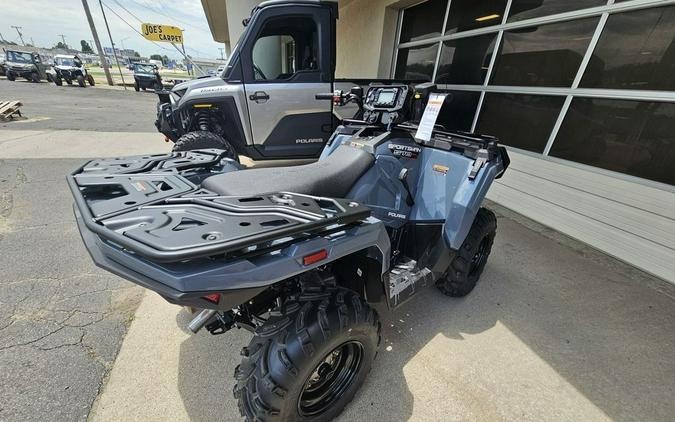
324, 96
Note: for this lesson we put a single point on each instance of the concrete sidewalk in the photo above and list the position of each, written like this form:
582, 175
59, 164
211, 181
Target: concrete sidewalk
554, 331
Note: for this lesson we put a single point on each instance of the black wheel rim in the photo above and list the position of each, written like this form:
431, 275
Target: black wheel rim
480, 257
330, 379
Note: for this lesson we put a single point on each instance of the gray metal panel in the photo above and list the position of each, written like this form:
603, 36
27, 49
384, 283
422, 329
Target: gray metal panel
284, 99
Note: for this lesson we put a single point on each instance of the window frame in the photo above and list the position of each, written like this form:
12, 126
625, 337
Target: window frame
603, 12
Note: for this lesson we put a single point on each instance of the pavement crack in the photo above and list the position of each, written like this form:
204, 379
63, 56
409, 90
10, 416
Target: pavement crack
11, 346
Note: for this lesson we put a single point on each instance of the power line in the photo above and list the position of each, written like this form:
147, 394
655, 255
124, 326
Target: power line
127, 10
134, 29
152, 9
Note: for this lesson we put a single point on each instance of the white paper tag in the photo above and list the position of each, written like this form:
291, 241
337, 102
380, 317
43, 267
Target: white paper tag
429, 117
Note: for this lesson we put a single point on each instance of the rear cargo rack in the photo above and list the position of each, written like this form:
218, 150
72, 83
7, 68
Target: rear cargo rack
162, 216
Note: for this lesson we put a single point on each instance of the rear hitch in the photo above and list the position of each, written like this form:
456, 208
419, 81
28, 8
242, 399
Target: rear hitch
221, 324
215, 322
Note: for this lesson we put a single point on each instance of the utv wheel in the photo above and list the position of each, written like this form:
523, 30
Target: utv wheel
58, 81
90, 79
136, 87
308, 362
69, 81
468, 264
10, 76
202, 139
80, 81
158, 86
34, 77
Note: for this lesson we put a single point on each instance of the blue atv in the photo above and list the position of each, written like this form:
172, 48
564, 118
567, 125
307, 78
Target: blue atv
282, 253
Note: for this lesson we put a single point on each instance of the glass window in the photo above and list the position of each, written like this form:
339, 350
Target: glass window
422, 21
416, 62
458, 112
285, 47
521, 121
636, 51
631, 137
527, 9
471, 14
465, 60
547, 55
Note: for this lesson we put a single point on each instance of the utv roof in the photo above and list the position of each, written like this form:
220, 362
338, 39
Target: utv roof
331, 3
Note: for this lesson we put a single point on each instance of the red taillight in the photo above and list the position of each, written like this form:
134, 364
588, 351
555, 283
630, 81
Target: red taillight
213, 298
315, 257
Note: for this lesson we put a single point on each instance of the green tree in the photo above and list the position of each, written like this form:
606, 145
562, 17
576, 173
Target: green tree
165, 59
60, 45
86, 48
156, 57
136, 54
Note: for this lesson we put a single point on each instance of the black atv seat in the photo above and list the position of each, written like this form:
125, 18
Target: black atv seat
332, 177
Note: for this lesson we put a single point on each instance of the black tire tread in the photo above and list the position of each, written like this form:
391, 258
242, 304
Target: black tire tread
457, 282
260, 396
201, 139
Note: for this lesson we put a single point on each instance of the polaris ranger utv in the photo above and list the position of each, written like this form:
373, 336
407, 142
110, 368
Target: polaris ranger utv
146, 75
280, 252
24, 64
69, 68
262, 105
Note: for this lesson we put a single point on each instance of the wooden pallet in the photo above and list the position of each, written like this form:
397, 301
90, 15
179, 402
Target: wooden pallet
8, 110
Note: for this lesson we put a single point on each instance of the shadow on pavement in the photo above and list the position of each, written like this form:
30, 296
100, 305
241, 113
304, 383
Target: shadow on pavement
551, 332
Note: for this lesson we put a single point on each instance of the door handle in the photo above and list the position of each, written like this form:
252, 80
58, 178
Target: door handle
259, 97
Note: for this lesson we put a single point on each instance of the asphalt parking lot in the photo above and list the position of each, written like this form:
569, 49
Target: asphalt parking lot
61, 319
49, 107
554, 331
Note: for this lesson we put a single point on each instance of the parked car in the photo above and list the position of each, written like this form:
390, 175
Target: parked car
24, 64
70, 68
146, 75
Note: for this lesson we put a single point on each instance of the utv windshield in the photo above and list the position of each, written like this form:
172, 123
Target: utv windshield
19, 57
144, 68
63, 61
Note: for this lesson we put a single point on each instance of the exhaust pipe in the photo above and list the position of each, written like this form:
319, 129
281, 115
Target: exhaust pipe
200, 320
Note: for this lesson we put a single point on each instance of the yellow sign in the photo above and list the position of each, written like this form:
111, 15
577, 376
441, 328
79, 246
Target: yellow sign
162, 33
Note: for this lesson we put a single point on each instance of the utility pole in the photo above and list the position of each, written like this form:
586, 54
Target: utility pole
221, 53
32, 42
94, 34
113, 44
63, 38
18, 30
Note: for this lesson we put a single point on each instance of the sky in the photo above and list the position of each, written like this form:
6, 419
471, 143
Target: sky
45, 20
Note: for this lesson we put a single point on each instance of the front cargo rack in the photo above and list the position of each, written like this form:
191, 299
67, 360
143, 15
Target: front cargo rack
146, 206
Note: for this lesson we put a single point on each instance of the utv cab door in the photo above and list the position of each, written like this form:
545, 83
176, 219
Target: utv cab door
286, 61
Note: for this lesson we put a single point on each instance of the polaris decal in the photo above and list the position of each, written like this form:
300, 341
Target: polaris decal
396, 215
212, 89
309, 141
407, 151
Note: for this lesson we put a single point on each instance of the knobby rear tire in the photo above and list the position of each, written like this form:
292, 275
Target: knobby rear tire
287, 350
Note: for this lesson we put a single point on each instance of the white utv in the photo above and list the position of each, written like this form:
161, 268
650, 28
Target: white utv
262, 105
70, 68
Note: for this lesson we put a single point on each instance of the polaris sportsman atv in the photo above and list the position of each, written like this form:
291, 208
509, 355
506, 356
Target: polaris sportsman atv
70, 68
279, 252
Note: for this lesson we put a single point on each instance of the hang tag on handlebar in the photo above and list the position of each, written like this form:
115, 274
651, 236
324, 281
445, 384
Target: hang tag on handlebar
433, 108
